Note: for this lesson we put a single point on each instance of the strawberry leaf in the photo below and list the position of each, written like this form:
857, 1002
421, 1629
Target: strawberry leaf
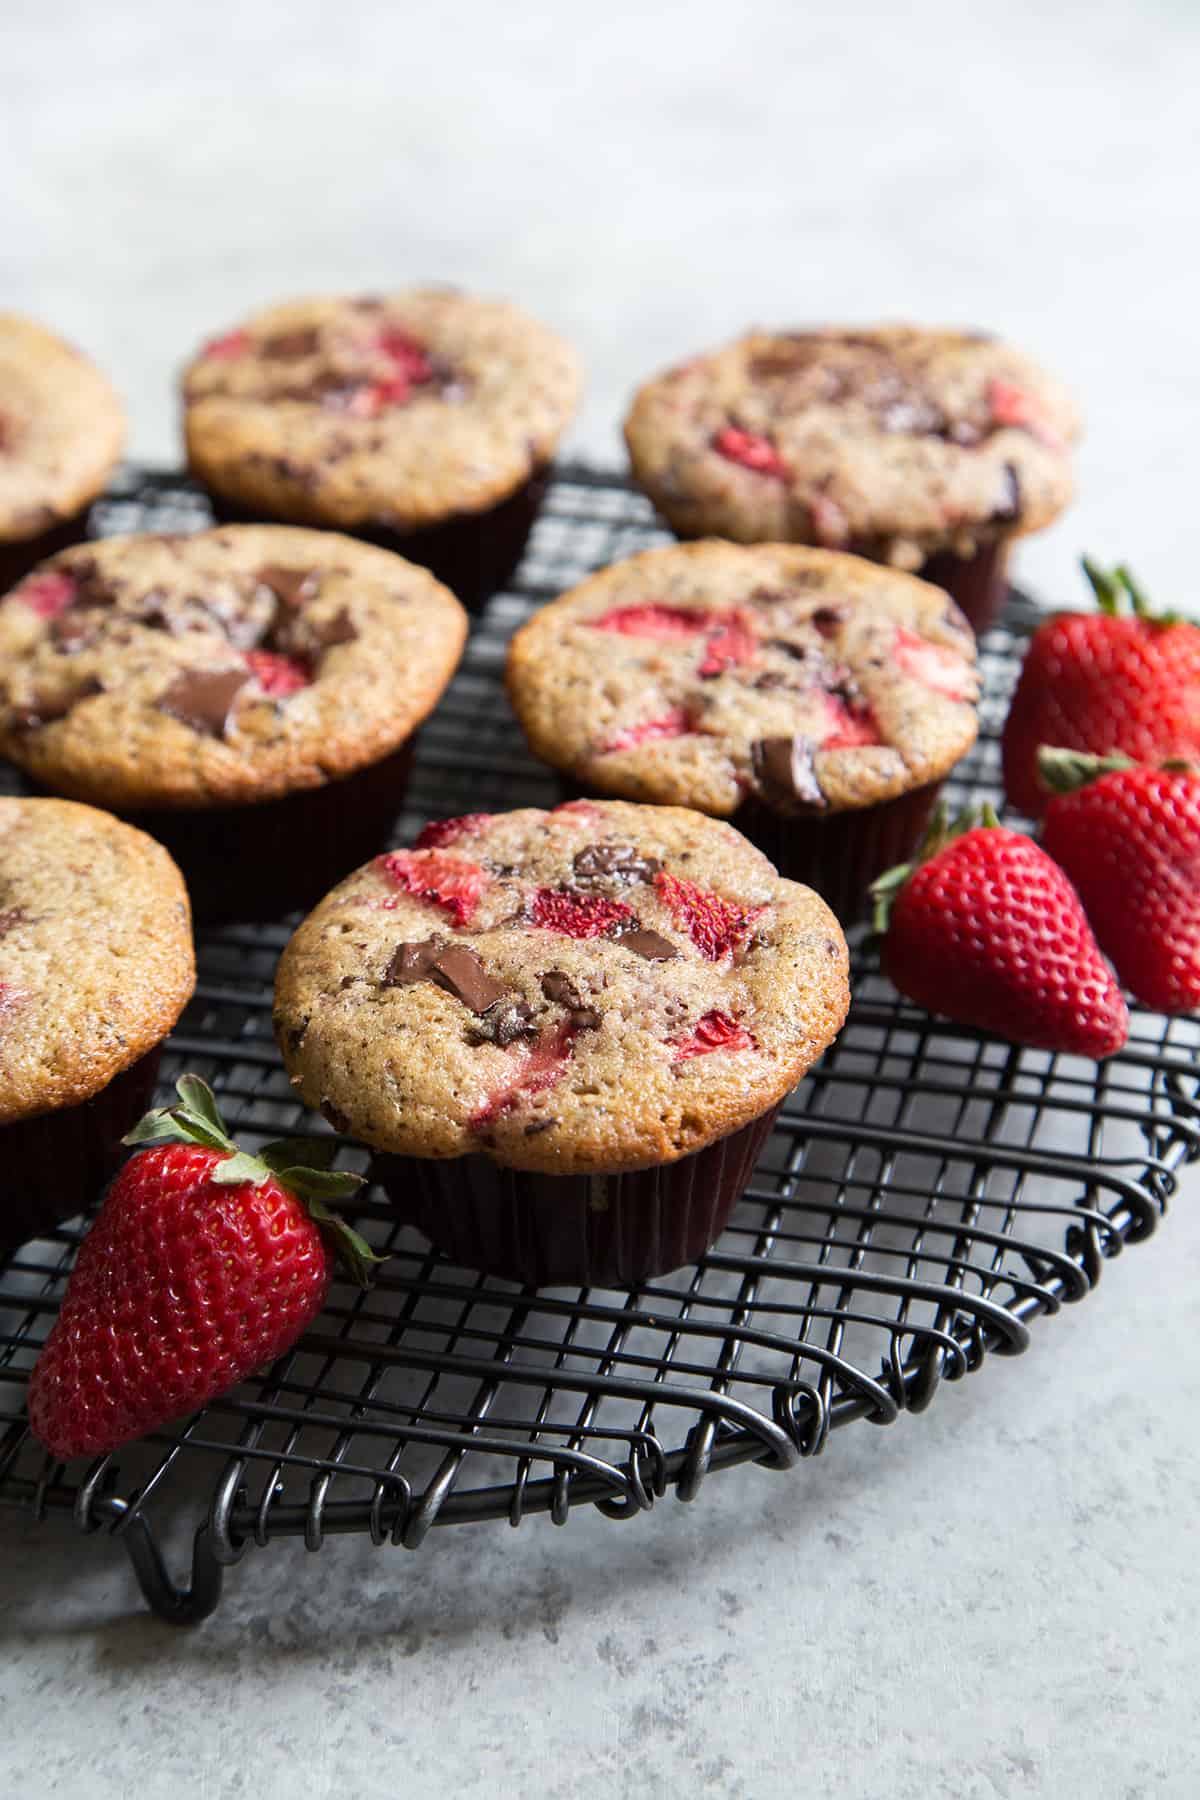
319, 1185
1062, 771
200, 1102
239, 1167
299, 1153
353, 1250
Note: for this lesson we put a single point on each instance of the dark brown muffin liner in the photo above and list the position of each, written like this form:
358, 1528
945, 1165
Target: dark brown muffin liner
979, 583
16, 560
840, 853
55, 1164
589, 1230
473, 553
248, 863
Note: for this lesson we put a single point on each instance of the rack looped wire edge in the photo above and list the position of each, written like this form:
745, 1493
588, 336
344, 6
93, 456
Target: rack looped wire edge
927, 1195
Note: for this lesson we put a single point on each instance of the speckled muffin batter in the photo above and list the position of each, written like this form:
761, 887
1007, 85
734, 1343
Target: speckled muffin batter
599, 988
230, 667
61, 430
95, 952
891, 441
705, 674
398, 412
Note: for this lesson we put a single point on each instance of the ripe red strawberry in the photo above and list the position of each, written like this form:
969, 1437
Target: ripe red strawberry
669, 624
989, 931
49, 593
203, 1265
440, 832
1104, 681
578, 915
846, 728
409, 362
717, 927
446, 881
715, 1031
672, 724
278, 675
1011, 405
731, 646
224, 349
1129, 838
938, 667
751, 450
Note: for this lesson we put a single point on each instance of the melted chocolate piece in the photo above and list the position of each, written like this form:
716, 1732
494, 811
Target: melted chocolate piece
16, 915
458, 970
798, 652
48, 710
784, 772
330, 1113
503, 1024
1009, 509
412, 962
558, 987
829, 619
598, 863
650, 944
291, 587
536, 1126
341, 629
204, 698
284, 346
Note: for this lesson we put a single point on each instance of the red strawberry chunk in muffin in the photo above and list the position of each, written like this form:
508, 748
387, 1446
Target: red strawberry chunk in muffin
715, 1031
440, 832
224, 349
717, 927
48, 594
751, 450
409, 361
579, 915
1012, 406
939, 668
731, 647
586, 811
278, 675
673, 724
446, 881
538, 1066
668, 623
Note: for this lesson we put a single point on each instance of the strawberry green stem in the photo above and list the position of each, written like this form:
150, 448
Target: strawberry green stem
941, 831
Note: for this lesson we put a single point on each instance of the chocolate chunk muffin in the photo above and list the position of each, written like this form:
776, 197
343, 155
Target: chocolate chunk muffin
815, 698
928, 450
248, 694
565, 1033
425, 418
96, 966
61, 431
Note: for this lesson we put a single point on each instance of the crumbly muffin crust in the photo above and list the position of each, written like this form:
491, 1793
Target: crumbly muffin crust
224, 668
596, 989
891, 441
96, 960
392, 413
62, 426
706, 674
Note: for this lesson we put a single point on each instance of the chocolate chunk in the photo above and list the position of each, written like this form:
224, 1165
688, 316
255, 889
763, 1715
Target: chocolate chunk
783, 769
650, 944
458, 970
798, 652
16, 915
331, 1114
284, 346
536, 1126
412, 962
829, 619
771, 679
597, 863
48, 710
503, 1023
558, 986
1009, 509
204, 698
291, 587
341, 629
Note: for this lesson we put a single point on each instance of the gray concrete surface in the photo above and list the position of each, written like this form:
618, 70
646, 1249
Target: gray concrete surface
997, 1599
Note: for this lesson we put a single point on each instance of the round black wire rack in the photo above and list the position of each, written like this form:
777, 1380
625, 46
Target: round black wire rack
928, 1193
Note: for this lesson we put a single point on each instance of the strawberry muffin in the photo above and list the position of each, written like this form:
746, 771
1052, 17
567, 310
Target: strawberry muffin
564, 1033
247, 694
816, 699
95, 968
929, 450
425, 419
61, 431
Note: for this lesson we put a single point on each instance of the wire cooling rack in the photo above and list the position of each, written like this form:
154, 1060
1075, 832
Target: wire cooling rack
928, 1193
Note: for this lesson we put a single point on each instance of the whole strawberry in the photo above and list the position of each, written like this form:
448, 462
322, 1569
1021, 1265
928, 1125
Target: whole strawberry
1104, 681
1129, 838
989, 931
203, 1265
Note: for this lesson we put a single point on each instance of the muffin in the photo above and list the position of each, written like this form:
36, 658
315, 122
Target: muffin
95, 968
565, 1034
816, 699
61, 431
926, 450
247, 694
425, 420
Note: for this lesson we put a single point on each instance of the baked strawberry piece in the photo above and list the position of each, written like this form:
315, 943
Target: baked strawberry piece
550, 1077
812, 698
1121, 679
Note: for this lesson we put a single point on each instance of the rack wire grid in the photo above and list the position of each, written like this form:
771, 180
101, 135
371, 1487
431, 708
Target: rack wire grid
928, 1193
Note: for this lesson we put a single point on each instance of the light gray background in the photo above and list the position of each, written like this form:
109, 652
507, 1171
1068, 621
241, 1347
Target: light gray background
998, 1599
